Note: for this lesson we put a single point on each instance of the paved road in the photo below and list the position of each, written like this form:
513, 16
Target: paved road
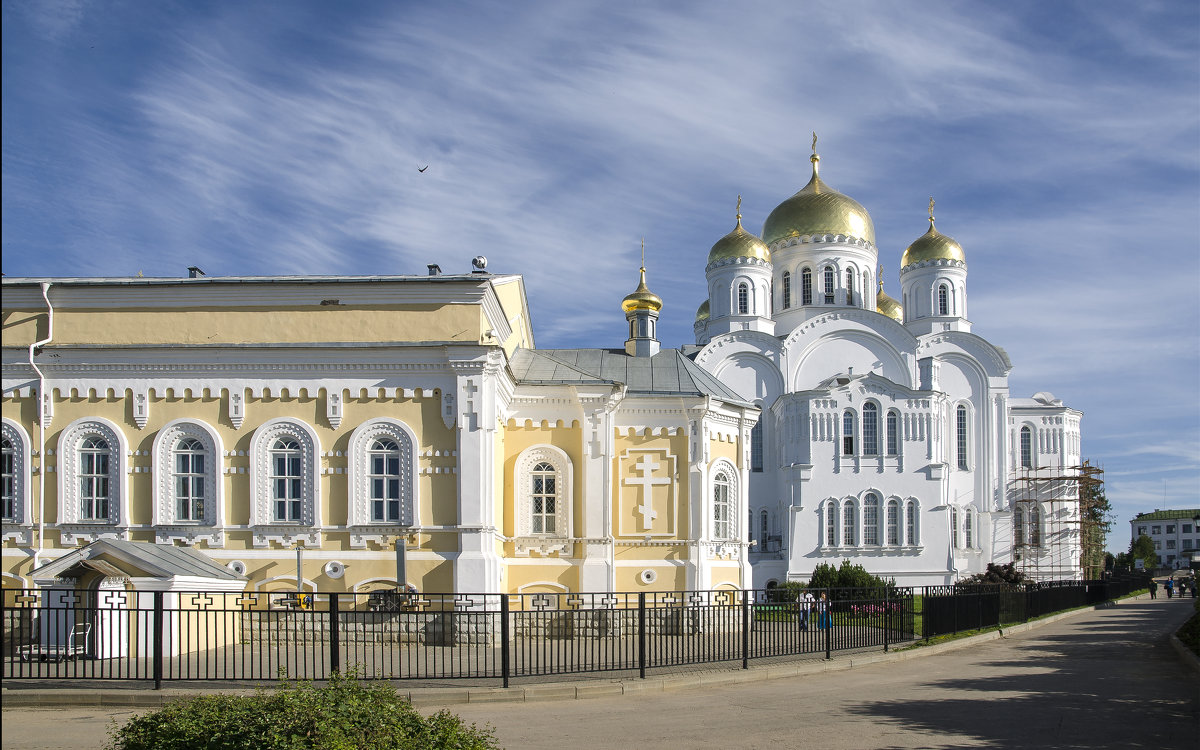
1105, 679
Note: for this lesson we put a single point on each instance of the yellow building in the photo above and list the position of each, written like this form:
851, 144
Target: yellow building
244, 417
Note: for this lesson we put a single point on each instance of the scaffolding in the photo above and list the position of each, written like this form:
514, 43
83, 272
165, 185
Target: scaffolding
1061, 536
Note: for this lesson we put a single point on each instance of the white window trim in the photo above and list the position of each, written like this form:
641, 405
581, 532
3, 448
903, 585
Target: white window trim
880, 430
724, 466
1033, 446
856, 529
364, 528
970, 436
916, 504
167, 526
564, 484
262, 521
20, 527
72, 529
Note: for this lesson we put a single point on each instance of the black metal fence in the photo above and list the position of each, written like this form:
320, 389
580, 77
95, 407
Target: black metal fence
944, 610
213, 636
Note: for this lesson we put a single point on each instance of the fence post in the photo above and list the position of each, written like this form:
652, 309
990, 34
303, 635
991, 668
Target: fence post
886, 619
158, 639
642, 634
745, 628
335, 646
827, 613
504, 652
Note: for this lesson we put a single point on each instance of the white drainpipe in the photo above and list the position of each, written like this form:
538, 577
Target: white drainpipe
37, 556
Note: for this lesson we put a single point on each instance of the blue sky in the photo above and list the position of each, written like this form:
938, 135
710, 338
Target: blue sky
1061, 141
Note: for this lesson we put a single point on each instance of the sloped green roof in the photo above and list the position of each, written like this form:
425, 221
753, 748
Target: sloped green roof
1163, 515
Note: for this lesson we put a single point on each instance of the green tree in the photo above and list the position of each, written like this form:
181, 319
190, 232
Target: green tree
1142, 549
997, 574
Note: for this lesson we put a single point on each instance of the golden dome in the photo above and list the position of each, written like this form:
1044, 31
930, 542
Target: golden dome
885, 305
933, 245
642, 298
739, 244
818, 209
702, 314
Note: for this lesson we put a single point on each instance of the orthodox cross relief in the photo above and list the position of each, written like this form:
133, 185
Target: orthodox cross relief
646, 466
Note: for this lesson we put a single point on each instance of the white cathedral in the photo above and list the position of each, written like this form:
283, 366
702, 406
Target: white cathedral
888, 436
352, 433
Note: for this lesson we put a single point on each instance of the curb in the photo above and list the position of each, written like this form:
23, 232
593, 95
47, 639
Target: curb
556, 691
1186, 655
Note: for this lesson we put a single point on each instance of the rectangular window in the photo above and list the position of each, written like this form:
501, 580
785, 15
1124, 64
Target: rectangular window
829, 282
1157, 545
721, 510
1170, 544
871, 524
969, 529
831, 526
787, 290
848, 525
911, 524
849, 287
893, 523
806, 287
1187, 528
1141, 530
870, 430
961, 436
1171, 528
756, 446
8, 478
848, 434
893, 434
1156, 530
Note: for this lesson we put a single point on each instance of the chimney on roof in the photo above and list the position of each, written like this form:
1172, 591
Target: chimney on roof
435, 269
194, 272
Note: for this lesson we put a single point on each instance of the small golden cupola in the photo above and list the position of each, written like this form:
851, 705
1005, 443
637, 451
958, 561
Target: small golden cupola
702, 312
818, 209
885, 305
641, 308
933, 246
739, 244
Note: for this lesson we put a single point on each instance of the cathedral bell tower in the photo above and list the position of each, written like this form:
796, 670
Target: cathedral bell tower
933, 276
641, 310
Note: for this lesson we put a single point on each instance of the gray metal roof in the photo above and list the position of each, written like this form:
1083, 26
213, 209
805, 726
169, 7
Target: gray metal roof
156, 560
667, 373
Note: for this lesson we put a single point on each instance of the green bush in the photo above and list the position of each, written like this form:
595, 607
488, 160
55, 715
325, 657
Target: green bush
343, 714
847, 576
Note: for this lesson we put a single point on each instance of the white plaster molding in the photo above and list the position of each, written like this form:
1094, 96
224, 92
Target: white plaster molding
564, 484
71, 527
167, 526
19, 526
236, 408
364, 528
141, 408
333, 407
262, 519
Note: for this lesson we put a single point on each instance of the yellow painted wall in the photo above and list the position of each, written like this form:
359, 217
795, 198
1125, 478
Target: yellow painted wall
624, 503
567, 438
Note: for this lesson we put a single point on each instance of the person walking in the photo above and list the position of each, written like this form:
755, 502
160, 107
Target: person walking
823, 612
1153, 589
806, 606
1170, 586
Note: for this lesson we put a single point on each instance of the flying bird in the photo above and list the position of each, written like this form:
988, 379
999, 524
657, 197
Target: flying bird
422, 169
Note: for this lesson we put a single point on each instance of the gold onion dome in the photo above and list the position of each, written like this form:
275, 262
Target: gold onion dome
703, 314
642, 298
885, 305
932, 246
818, 209
739, 244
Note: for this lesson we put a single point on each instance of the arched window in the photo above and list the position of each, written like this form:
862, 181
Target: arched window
382, 481
743, 298
960, 434
91, 480
764, 528
1019, 527
14, 481
544, 486
943, 300
870, 429
806, 286
756, 446
287, 480
189, 479
721, 506
893, 433
385, 480
911, 530
969, 528
787, 290
284, 478
849, 286
831, 524
1026, 447
1035, 526
830, 280
866, 285
893, 523
544, 494
871, 520
848, 433
849, 527
954, 528
188, 492
8, 478
94, 498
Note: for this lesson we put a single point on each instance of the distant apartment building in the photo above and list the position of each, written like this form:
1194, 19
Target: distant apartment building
1176, 534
